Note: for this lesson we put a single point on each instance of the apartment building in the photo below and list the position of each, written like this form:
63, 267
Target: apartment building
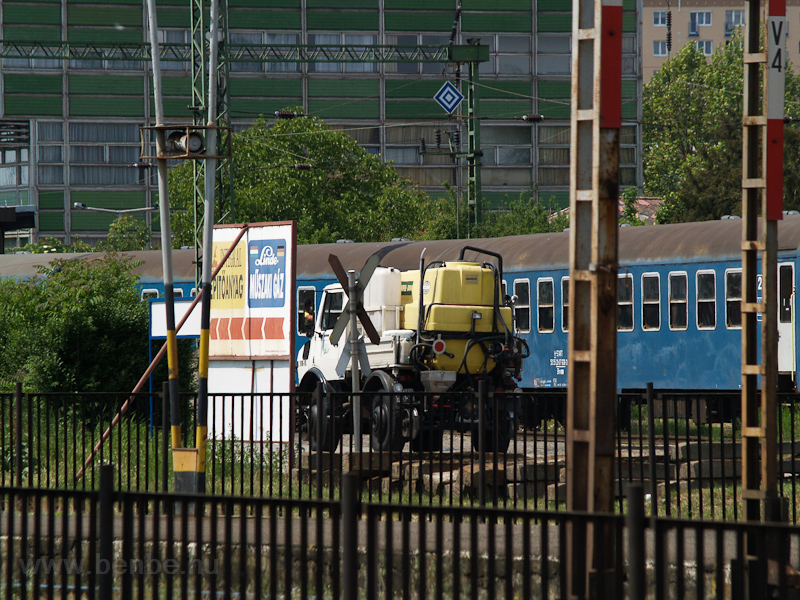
76, 122
704, 23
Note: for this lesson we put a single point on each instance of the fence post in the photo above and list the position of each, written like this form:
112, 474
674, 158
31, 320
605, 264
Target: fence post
351, 485
482, 443
165, 432
18, 433
651, 445
318, 433
104, 562
634, 521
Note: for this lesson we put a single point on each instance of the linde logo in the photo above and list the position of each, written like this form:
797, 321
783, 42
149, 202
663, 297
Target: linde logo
267, 274
267, 258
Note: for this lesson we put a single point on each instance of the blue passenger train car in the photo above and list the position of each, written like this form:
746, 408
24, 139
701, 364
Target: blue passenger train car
679, 299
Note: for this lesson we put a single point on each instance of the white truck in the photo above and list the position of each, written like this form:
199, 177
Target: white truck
457, 332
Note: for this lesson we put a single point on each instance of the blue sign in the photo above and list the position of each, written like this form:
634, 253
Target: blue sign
448, 97
267, 273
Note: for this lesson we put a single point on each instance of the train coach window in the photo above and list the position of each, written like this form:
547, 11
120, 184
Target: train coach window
306, 309
148, 293
522, 310
177, 292
625, 303
678, 301
545, 305
651, 302
733, 299
565, 304
706, 300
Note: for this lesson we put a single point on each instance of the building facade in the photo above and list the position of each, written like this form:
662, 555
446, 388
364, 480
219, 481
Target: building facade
77, 121
704, 23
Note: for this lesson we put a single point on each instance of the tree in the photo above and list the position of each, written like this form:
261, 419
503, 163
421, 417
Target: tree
692, 134
54, 246
522, 215
126, 233
78, 326
300, 169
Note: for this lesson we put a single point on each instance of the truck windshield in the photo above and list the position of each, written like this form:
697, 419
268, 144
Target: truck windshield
332, 309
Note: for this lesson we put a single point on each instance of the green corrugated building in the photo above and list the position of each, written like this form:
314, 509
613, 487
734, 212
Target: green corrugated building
69, 128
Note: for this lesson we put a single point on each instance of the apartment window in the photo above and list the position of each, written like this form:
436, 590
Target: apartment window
733, 299
625, 303
522, 310
545, 305
704, 46
706, 300
102, 153
565, 304
733, 19
508, 55
553, 55
660, 18
239, 40
678, 301
330, 43
402, 156
176, 45
553, 154
660, 48
697, 19
283, 39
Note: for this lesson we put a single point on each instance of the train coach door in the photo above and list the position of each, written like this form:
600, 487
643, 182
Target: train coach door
786, 332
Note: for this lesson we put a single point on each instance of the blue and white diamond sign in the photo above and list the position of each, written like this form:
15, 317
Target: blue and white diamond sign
448, 97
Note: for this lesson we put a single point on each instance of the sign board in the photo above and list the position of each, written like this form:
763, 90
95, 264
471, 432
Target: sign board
448, 97
252, 295
251, 333
158, 318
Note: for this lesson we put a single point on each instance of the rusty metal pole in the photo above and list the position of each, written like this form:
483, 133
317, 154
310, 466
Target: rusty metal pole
762, 123
594, 195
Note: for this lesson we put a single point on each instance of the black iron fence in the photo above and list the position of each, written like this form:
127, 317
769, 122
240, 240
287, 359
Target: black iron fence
107, 543
499, 451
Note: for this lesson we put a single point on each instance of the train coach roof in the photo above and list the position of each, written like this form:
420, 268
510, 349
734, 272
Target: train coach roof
684, 242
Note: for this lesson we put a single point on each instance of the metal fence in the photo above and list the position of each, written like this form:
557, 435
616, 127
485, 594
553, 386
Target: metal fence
685, 451
107, 543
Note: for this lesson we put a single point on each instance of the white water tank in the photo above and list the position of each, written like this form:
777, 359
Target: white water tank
382, 298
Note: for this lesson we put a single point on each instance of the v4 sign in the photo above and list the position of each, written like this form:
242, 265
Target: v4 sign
363, 279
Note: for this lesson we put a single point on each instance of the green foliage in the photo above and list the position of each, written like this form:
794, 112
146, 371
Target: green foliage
522, 215
692, 135
346, 193
126, 233
53, 246
79, 325
629, 197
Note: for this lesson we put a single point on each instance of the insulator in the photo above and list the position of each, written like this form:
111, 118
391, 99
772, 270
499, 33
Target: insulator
285, 114
303, 167
669, 31
535, 118
438, 138
422, 147
456, 137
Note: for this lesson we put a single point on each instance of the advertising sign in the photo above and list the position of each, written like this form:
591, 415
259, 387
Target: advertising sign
251, 342
251, 302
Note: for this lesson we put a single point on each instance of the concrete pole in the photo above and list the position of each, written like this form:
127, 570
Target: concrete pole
356, 373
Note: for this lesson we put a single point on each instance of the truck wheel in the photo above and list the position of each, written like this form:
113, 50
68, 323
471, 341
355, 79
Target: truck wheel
496, 441
331, 430
385, 425
428, 440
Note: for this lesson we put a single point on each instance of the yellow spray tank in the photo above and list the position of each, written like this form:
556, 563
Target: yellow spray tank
463, 323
